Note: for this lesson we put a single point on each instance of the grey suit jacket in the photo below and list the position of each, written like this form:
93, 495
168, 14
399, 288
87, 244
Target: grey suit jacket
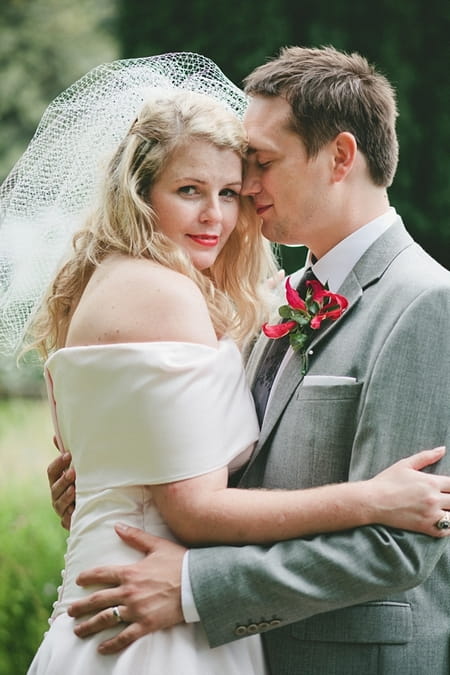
373, 599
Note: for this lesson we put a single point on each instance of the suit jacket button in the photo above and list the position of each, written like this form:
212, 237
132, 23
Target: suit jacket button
264, 625
252, 628
274, 623
240, 631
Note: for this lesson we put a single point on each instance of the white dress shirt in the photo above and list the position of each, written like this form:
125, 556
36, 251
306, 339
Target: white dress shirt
332, 268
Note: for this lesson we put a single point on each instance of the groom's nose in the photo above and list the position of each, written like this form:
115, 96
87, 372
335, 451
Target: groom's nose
251, 184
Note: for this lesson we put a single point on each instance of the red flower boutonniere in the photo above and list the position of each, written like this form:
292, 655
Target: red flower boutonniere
303, 317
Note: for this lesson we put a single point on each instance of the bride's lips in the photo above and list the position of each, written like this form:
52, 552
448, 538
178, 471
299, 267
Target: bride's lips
209, 240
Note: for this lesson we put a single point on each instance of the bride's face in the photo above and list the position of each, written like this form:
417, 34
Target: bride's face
196, 199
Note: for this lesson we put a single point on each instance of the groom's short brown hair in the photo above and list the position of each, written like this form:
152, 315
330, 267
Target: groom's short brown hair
332, 91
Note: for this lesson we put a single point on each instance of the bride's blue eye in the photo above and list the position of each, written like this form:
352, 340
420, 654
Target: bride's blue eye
187, 189
228, 192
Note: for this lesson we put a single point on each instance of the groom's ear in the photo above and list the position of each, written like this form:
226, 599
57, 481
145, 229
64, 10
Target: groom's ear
345, 149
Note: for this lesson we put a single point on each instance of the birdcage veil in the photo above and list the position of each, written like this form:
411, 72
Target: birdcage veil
49, 192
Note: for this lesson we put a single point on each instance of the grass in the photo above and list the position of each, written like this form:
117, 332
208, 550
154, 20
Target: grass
32, 541
26, 446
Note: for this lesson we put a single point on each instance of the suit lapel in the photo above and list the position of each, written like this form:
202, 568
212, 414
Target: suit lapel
367, 271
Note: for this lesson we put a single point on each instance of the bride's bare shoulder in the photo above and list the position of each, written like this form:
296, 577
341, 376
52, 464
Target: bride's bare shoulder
141, 274
137, 300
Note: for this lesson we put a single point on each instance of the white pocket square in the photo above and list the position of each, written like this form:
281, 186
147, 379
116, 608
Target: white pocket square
326, 380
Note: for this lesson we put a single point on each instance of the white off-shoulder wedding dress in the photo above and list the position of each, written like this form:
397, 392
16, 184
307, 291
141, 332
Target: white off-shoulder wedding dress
134, 415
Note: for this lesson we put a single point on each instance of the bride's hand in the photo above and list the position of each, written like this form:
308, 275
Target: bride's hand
61, 479
410, 499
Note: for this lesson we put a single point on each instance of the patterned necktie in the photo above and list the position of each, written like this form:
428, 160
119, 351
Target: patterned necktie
274, 356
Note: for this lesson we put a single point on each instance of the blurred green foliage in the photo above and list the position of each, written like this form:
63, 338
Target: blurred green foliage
45, 45
23, 379
32, 545
32, 542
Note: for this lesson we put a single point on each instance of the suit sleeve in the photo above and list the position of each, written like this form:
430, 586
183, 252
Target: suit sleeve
294, 580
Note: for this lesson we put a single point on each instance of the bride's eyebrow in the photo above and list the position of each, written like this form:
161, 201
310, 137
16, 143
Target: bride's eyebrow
192, 179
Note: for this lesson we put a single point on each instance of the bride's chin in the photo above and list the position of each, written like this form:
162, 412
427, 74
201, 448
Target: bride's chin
203, 262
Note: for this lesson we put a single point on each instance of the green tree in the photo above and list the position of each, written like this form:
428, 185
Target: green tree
45, 45
236, 35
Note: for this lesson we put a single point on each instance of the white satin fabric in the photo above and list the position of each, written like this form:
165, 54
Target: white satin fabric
133, 415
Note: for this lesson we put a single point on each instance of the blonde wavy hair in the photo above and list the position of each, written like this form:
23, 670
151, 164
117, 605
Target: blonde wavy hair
234, 287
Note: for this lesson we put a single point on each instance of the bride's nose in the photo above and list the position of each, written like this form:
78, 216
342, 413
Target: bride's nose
211, 211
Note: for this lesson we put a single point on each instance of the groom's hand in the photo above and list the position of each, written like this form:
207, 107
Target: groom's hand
147, 594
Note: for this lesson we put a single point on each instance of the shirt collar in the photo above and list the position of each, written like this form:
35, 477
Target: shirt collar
335, 265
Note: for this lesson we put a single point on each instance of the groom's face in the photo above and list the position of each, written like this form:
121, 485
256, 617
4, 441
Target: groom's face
287, 187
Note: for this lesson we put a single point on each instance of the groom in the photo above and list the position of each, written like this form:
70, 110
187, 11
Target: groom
323, 151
